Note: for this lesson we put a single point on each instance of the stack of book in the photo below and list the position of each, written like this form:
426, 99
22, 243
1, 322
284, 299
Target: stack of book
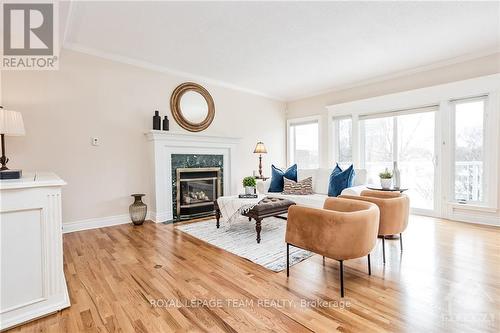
248, 196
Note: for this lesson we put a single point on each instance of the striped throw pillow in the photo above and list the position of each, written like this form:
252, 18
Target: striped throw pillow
302, 187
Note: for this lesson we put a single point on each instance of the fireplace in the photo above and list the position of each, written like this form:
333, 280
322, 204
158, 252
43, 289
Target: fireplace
197, 189
172, 150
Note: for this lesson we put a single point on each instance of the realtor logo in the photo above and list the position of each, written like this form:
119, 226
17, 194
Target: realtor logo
29, 36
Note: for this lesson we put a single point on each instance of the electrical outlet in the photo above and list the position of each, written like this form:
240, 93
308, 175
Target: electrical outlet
96, 142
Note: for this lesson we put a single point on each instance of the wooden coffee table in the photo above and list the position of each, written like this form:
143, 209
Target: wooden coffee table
267, 207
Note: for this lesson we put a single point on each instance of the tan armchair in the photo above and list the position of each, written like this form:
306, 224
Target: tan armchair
394, 211
344, 229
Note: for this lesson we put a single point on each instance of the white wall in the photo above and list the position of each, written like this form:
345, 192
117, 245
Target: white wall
93, 97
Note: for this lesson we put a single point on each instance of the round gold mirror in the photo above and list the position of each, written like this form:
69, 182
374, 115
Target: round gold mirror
192, 107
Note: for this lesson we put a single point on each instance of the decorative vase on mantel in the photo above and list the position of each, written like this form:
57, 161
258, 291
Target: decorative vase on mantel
157, 120
138, 209
166, 124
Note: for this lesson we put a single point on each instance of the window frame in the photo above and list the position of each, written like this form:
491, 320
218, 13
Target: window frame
440, 94
291, 145
394, 114
486, 152
335, 141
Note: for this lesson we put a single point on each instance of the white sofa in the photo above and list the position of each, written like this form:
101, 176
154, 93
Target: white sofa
320, 178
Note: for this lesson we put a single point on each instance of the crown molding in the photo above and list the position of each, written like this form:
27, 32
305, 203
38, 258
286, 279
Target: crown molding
162, 69
399, 74
189, 76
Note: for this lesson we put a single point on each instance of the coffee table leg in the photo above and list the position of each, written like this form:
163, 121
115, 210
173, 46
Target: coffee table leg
217, 215
258, 228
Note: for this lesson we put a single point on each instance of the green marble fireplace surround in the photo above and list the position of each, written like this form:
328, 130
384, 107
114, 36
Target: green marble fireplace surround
193, 161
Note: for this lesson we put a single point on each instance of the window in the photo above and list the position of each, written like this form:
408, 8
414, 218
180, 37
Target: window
378, 142
444, 139
406, 137
304, 144
415, 156
468, 184
344, 141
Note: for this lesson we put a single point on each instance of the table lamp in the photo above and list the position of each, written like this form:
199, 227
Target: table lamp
11, 124
260, 149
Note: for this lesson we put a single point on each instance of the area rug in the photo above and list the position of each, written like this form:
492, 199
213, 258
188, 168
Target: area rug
240, 237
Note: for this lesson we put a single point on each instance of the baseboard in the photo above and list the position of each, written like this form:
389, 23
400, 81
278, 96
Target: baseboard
100, 222
467, 218
8, 322
161, 217
485, 220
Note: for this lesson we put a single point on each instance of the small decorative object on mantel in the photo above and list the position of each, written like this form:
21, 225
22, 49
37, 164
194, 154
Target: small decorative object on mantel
260, 149
249, 184
11, 124
138, 209
385, 179
165, 124
157, 121
396, 176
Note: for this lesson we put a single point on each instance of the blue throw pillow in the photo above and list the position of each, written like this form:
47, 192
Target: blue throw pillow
340, 180
336, 170
351, 179
277, 175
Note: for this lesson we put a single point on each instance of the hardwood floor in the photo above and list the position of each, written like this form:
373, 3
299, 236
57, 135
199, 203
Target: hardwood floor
447, 279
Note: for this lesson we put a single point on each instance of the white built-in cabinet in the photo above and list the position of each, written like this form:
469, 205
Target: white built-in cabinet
32, 282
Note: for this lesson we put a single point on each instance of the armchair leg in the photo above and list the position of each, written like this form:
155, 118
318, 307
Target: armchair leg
401, 241
287, 259
341, 278
383, 247
323, 260
369, 266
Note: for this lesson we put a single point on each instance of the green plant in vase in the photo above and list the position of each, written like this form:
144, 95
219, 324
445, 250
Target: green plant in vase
385, 179
249, 184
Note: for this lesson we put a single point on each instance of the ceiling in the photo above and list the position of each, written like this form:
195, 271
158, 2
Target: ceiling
285, 50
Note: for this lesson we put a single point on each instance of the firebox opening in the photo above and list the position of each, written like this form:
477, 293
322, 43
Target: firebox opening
197, 189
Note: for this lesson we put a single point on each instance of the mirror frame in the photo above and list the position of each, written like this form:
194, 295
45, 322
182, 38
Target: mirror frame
175, 107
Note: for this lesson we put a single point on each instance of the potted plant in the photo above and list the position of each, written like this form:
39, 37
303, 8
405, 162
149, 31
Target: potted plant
249, 184
385, 179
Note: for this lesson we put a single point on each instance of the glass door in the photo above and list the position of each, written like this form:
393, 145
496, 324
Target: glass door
407, 137
415, 149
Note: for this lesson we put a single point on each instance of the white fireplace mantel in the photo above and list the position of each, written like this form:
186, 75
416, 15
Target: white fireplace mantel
166, 143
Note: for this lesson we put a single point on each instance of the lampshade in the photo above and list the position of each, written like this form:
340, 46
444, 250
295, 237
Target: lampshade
11, 123
260, 148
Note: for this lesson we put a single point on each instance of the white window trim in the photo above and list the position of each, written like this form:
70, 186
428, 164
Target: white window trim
299, 121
